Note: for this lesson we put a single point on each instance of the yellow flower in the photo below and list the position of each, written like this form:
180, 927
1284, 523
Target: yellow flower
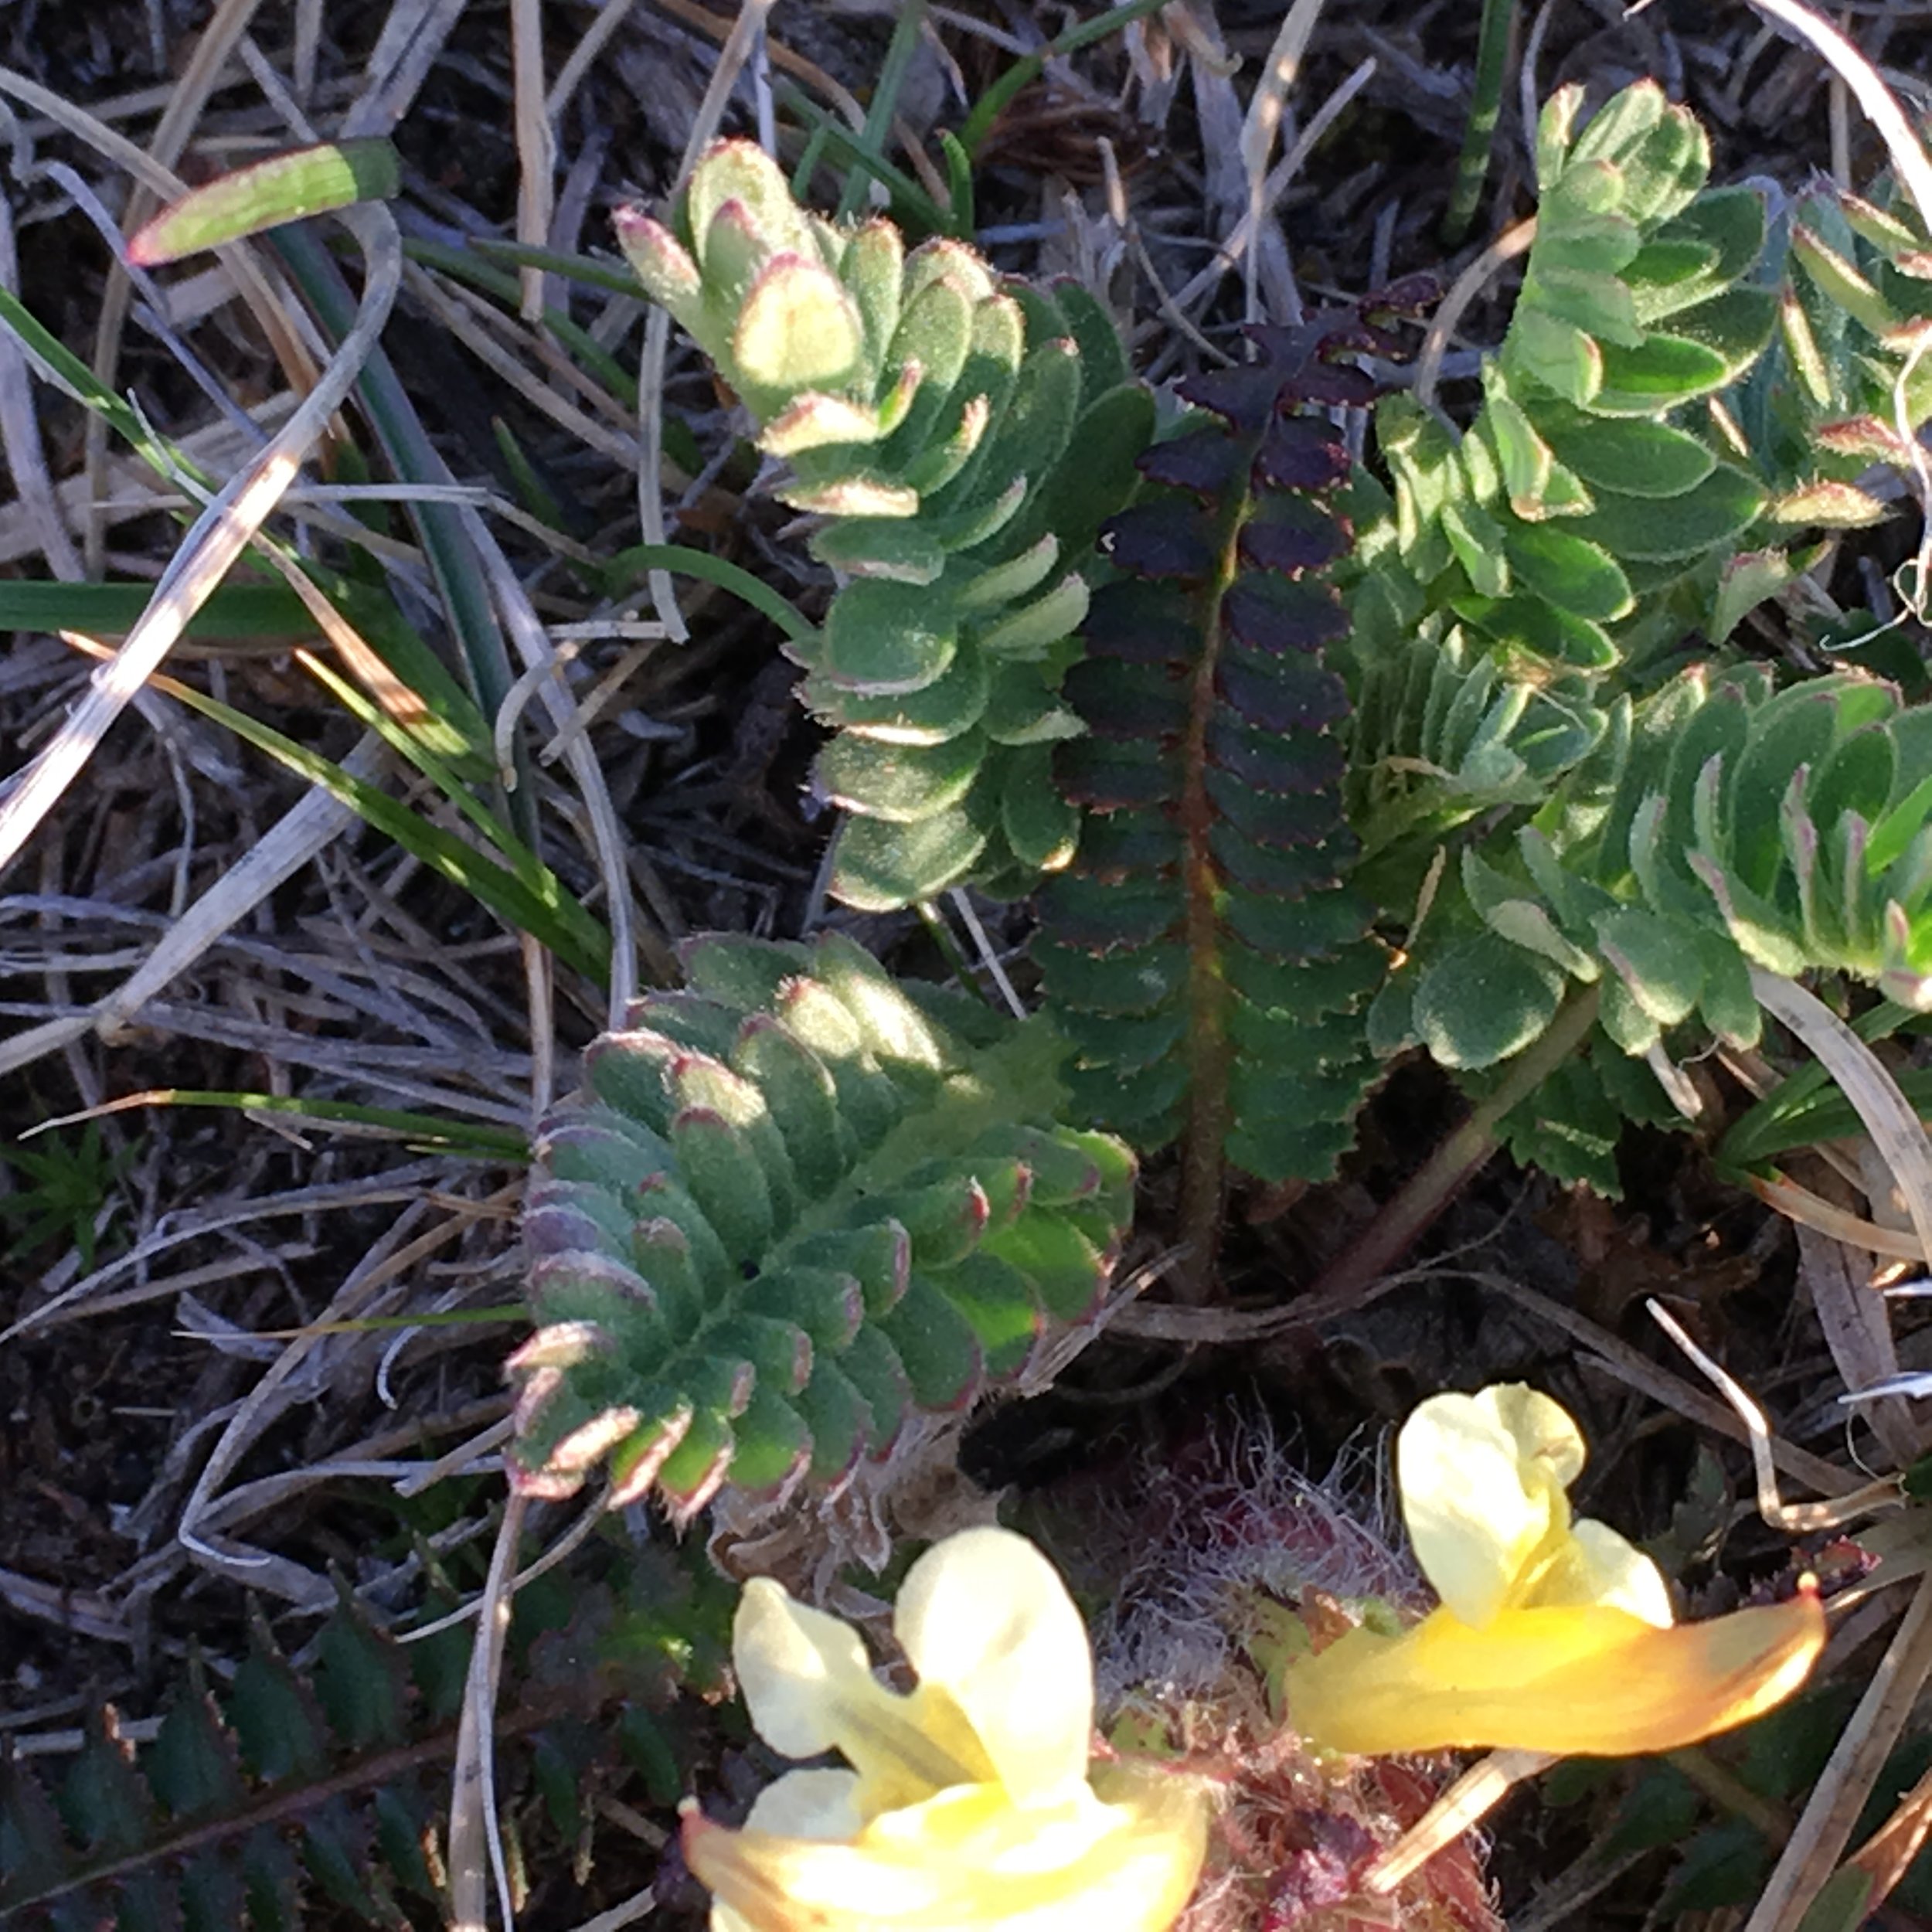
968, 1802
1553, 1635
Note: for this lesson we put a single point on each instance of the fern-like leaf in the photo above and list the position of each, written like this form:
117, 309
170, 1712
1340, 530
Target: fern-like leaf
1204, 952
962, 437
302, 1793
242, 1807
794, 1205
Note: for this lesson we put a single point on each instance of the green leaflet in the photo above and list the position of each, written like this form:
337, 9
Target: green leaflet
957, 436
794, 1205
311, 181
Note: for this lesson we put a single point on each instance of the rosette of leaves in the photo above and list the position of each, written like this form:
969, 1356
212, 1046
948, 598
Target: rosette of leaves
962, 437
1204, 952
1585, 516
1724, 825
794, 1203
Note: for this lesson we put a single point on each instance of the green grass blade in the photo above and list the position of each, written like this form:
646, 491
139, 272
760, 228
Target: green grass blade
1485, 103
592, 270
413, 459
426, 1133
623, 571
466, 265
1807, 1108
67, 369
523, 862
988, 108
912, 207
544, 910
907, 30
265, 614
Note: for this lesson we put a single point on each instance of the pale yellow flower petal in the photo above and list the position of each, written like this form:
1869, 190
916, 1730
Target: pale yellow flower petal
1597, 1566
809, 1687
1593, 1680
968, 1859
1543, 1430
1481, 1478
985, 1620
821, 1804
814, 1805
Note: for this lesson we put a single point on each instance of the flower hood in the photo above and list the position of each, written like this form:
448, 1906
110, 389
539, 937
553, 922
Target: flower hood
1554, 1634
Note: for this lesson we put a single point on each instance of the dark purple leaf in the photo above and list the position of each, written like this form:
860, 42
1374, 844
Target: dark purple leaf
1100, 917
1108, 777
1292, 694
1244, 396
1163, 540
1113, 983
1302, 452
1144, 623
1118, 700
1325, 986
1283, 872
1300, 763
1117, 845
1277, 614
1409, 296
1270, 817
1318, 925
1206, 462
1291, 534
1305, 359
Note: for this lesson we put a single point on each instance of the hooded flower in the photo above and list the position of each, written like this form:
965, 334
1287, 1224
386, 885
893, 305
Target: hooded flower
967, 1802
1554, 1635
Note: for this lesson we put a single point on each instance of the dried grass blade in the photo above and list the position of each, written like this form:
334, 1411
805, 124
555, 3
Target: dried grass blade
525, 894
313, 822
1884, 1859
1865, 1081
1809, 1210
1822, 1834
1857, 1331
220, 535
536, 144
1880, 104
412, 36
